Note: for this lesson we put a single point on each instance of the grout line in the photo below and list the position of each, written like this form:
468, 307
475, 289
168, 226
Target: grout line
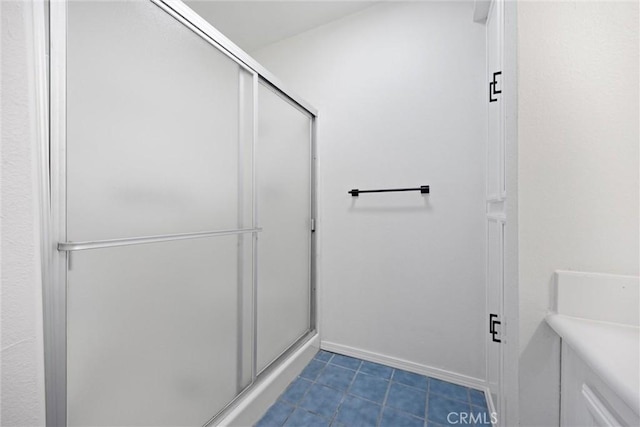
410, 386
486, 404
386, 395
303, 394
452, 398
344, 394
479, 407
297, 405
288, 416
426, 404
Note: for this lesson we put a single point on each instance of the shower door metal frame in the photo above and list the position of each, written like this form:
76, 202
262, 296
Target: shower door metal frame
312, 157
56, 250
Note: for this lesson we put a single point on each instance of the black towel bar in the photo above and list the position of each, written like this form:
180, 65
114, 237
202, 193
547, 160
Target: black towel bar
423, 189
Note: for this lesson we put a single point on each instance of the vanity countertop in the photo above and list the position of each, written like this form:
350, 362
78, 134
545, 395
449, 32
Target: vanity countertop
612, 350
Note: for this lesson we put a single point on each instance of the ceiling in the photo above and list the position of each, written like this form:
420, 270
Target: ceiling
255, 24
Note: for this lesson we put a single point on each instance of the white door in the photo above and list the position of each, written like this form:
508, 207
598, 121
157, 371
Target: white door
495, 202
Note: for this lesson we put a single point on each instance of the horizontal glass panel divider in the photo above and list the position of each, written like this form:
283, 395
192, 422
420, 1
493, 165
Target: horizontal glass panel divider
111, 243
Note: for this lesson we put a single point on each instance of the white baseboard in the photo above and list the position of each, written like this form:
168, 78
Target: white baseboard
418, 368
253, 406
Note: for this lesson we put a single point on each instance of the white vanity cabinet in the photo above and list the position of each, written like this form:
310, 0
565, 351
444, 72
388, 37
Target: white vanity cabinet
597, 317
585, 399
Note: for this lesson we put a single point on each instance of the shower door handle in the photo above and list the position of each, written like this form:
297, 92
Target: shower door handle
128, 241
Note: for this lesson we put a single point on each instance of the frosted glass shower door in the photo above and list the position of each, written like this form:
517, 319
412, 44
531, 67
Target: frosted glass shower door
283, 168
153, 333
152, 125
159, 140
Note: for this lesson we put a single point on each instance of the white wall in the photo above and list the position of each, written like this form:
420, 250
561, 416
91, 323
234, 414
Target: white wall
578, 167
401, 97
22, 389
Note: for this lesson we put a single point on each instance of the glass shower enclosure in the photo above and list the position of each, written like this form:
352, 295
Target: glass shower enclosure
182, 207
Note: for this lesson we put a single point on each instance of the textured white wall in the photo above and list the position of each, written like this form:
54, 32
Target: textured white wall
401, 95
578, 167
22, 389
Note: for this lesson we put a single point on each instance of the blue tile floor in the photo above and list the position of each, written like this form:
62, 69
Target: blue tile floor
341, 391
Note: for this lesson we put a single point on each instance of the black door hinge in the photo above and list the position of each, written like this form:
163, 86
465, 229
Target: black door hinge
493, 87
493, 321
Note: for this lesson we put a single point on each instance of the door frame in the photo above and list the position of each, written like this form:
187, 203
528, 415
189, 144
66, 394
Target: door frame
511, 351
510, 308
51, 77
